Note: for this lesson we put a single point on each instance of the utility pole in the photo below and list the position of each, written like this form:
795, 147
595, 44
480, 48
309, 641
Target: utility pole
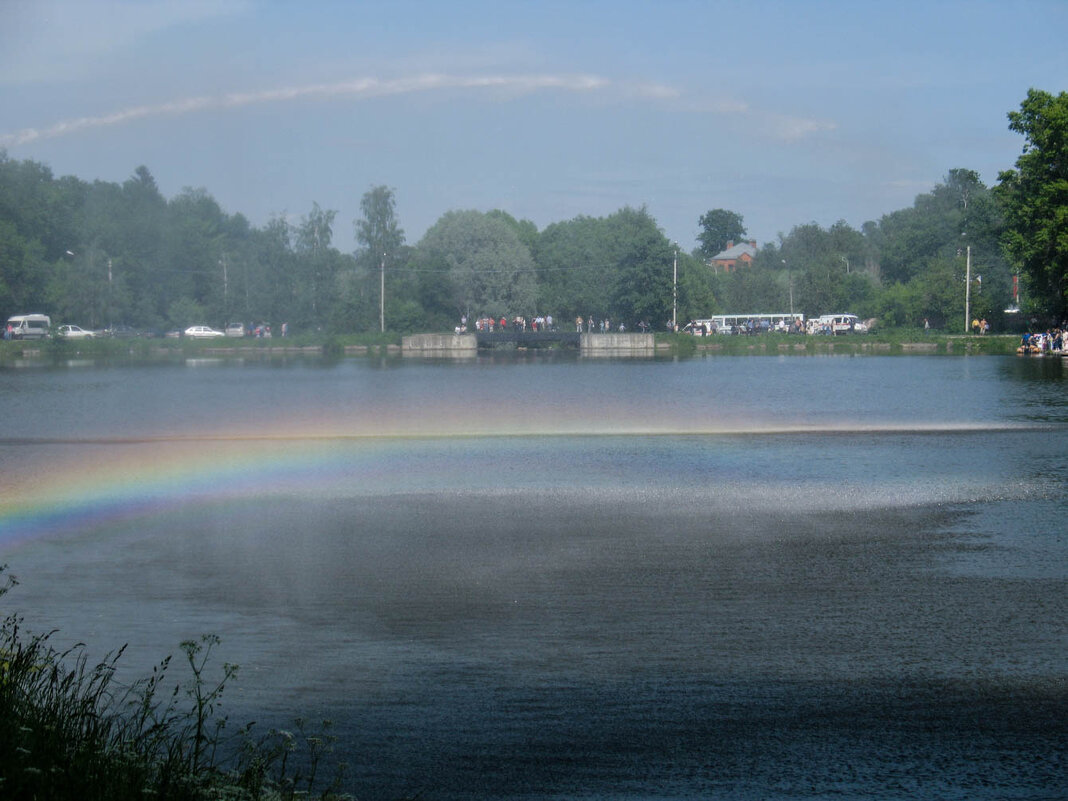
226, 289
382, 297
110, 321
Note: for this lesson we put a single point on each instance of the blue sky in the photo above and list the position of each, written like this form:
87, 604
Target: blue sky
786, 112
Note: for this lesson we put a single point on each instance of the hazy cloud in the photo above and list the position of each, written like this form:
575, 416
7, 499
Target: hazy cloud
778, 126
359, 88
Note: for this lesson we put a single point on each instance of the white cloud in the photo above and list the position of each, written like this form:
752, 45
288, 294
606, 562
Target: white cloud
505, 86
357, 88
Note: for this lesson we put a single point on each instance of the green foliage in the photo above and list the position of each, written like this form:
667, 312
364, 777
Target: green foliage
1034, 197
718, 227
489, 269
619, 267
98, 253
377, 231
751, 290
68, 729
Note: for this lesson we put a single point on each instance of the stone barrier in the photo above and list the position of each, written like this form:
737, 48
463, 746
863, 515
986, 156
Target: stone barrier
617, 345
439, 344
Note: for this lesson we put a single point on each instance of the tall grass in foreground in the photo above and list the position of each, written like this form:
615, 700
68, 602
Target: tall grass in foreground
69, 730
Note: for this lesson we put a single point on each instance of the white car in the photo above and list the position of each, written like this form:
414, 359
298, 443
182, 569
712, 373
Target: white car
74, 332
202, 332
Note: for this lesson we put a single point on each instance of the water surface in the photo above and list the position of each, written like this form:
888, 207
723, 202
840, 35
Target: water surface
727, 577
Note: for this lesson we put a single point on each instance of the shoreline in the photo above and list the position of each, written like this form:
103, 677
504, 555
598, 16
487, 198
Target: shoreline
19, 353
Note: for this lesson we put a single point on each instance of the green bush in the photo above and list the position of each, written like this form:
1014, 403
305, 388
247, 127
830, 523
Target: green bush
69, 730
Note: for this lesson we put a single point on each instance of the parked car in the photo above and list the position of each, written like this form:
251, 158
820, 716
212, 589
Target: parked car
73, 332
235, 330
202, 332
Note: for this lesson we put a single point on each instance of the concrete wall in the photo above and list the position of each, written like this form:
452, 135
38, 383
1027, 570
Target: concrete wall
590, 344
429, 344
617, 344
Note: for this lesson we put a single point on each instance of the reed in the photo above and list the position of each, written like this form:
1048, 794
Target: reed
70, 730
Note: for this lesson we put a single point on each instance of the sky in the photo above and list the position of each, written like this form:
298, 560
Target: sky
784, 112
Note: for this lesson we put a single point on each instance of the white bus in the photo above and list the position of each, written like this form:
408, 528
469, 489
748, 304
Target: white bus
744, 323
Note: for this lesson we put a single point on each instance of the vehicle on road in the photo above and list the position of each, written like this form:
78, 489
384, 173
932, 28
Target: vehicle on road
73, 332
202, 332
841, 324
235, 330
744, 323
29, 326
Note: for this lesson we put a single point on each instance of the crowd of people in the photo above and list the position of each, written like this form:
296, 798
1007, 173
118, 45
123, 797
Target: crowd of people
1053, 341
542, 323
517, 323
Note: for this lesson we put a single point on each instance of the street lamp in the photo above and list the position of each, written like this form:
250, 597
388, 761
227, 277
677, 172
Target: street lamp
968, 289
92, 312
675, 291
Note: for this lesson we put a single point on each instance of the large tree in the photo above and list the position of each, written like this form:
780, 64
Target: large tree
1034, 197
380, 235
718, 227
319, 263
489, 269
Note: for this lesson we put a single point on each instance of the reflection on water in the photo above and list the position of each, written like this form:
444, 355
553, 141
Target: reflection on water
779, 578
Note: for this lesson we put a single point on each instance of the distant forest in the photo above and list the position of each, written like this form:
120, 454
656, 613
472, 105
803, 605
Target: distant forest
100, 253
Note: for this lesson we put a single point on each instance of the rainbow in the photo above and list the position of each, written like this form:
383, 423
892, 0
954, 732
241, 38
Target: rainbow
64, 486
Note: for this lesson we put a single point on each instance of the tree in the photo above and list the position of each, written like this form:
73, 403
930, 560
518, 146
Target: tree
750, 291
574, 262
1034, 197
490, 270
643, 286
525, 229
318, 262
718, 227
380, 236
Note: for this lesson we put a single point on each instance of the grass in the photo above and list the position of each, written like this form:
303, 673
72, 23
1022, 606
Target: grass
69, 730
135, 351
141, 351
884, 342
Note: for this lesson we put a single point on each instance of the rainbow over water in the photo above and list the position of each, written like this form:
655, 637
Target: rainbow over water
65, 486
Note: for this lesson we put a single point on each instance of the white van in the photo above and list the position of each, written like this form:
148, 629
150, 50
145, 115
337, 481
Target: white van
28, 326
841, 324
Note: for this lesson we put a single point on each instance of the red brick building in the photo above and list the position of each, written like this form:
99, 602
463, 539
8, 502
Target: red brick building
728, 259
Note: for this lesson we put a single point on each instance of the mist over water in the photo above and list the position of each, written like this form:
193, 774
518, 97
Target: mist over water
756, 578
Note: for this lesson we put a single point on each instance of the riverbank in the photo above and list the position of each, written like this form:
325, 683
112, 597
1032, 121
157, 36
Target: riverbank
887, 343
135, 351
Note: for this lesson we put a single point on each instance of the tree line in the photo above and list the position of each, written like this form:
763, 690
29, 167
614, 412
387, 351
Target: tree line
102, 253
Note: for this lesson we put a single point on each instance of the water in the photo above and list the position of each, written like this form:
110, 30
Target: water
559, 578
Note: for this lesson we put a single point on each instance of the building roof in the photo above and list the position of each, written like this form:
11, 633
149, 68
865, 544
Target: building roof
736, 252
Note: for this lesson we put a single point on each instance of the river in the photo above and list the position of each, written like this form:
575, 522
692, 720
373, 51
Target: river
556, 577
